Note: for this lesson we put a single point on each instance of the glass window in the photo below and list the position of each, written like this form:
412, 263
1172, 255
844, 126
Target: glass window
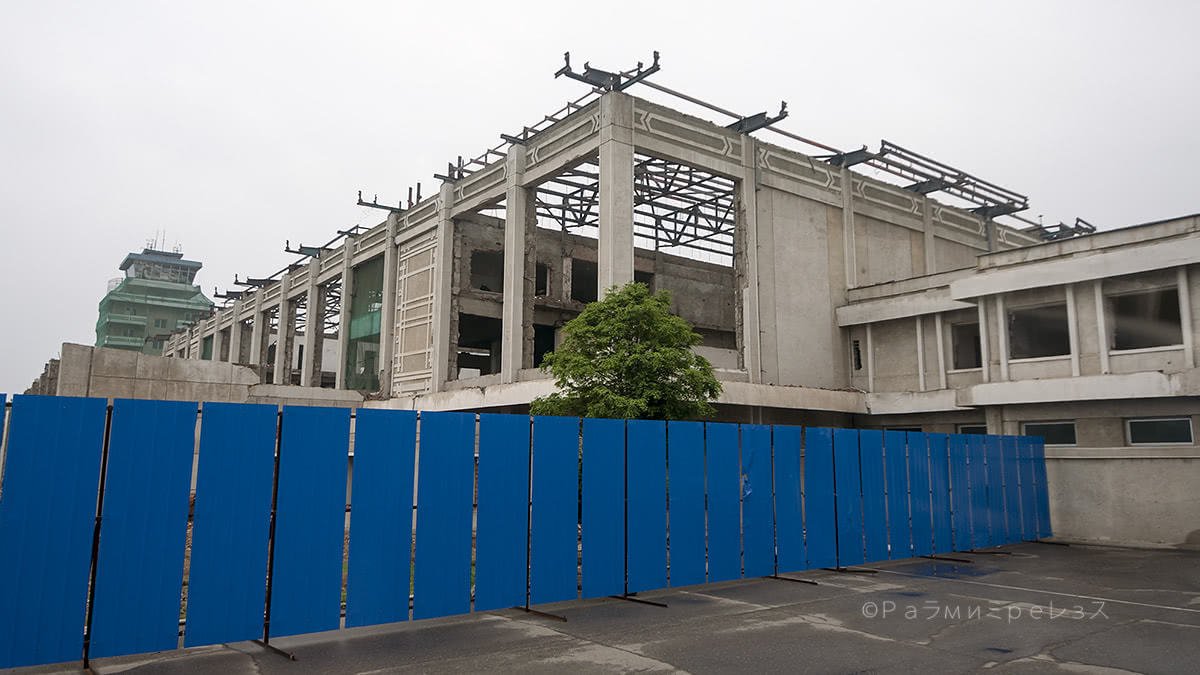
1052, 433
902, 428
964, 343
1035, 332
972, 428
1149, 319
1159, 431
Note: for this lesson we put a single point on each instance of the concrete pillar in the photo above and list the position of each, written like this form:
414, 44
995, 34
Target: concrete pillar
443, 284
870, 361
930, 242
1101, 325
1073, 329
258, 331
314, 328
750, 290
985, 359
1185, 317
567, 266
941, 350
920, 353
1002, 336
344, 317
615, 248
287, 332
387, 313
520, 260
218, 345
236, 328
850, 253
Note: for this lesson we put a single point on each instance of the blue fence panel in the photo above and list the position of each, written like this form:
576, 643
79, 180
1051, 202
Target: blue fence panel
1028, 492
381, 505
1041, 490
553, 530
685, 463
939, 482
875, 527
604, 507
847, 489
724, 536
789, 514
47, 514
445, 479
980, 527
310, 520
995, 480
960, 493
820, 513
1012, 490
227, 581
758, 518
646, 481
502, 523
918, 491
899, 518
143, 529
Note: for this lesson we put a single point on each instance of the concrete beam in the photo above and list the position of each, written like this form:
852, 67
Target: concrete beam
1086, 388
899, 307
235, 333
615, 247
387, 314
314, 328
287, 332
750, 290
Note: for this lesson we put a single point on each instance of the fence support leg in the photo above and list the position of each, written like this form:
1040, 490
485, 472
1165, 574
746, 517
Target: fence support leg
793, 579
949, 559
545, 615
266, 644
631, 598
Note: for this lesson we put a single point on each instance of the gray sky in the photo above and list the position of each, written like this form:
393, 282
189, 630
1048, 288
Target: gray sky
234, 126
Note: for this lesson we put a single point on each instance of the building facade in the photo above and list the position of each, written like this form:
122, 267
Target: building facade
156, 298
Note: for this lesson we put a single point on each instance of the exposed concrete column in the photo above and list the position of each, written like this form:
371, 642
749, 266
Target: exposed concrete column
1002, 336
387, 313
443, 284
985, 359
615, 248
258, 331
1185, 317
941, 349
1101, 326
287, 332
930, 241
314, 328
235, 333
1073, 329
849, 253
218, 344
920, 353
749, 292
344, 317
568, 263
520, 260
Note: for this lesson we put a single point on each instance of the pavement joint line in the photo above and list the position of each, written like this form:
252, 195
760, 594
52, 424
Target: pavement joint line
1038, 590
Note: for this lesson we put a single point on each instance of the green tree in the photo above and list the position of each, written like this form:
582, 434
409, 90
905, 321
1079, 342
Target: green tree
628, 356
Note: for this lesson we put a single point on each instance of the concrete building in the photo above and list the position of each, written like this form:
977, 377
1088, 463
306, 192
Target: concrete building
156, 298
824, 296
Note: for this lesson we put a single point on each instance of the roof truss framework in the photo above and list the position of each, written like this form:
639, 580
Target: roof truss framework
678, 208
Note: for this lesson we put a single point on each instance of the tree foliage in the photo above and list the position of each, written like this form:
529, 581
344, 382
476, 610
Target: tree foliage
628, 356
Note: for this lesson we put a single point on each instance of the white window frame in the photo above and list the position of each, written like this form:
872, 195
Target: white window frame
1129, 432
1073, 423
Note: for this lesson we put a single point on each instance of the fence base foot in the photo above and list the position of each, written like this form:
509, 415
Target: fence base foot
850, 570
641, 601
1050, 543
545, 615
942, 557
988, 552
272, 648
799, 581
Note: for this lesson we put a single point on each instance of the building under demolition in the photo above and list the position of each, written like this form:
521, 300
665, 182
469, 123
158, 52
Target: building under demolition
155, 299
824, 295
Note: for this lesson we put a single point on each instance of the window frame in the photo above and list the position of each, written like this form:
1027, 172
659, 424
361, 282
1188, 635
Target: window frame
1074, 427
1110, 318
1129, 431
1007, 328
950, 326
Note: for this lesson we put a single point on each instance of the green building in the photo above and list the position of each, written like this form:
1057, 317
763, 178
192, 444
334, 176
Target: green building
155, 298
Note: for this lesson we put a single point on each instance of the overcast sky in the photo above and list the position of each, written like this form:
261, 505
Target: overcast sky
234, 125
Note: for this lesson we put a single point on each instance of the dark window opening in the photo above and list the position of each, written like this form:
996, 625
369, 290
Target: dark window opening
972, 428
857, 351
1142, 320
487, 271
543, 343
964, 345
644, 278
1052, 433
583, 280
478, 345
541, 280
903, 428
1160, 431
1037, 332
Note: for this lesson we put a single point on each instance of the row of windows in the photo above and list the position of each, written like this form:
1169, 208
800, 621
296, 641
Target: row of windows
1138, 431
